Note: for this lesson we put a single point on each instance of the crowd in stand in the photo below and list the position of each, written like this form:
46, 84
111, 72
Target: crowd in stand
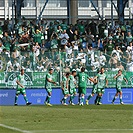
93, 44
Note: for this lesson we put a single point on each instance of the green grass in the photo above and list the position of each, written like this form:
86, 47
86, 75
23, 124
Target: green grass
70, 119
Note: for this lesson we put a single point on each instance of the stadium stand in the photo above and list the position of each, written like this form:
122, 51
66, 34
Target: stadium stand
38, 47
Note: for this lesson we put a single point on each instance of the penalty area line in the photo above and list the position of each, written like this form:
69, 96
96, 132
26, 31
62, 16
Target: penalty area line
80, 130
14, 128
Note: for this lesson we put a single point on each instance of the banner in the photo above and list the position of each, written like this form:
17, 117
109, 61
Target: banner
32, 79
111, 81
37, 79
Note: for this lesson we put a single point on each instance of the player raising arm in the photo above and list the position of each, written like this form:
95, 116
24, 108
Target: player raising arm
119, 78
21, 88
48, 86
82, 84
102, 83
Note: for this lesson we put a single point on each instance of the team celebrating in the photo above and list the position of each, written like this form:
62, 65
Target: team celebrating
74, 80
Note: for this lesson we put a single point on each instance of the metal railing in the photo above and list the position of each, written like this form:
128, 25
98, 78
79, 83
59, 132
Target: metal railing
37, 64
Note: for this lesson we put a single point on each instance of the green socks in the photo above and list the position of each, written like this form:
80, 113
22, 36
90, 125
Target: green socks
114, 99
120, 99
89, 97
99, 99
64, 99
48, 99
96, 100
71, 98
82, 99
25, 98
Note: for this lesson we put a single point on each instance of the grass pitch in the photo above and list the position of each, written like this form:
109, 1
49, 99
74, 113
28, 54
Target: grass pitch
66, 119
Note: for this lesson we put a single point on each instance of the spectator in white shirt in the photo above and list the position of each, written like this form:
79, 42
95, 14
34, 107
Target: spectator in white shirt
96, 63
130, 49
16, 65
102, 59
115, 68
90, 54
40, 67
118, 51
64, 39
68, 49
36, 48
82, 57
129, 66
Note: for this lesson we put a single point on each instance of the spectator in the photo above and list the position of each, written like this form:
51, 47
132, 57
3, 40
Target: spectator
93, 28
64, 39
129, 37
16, 65
113, 61
54, 42
37, 38
109, 48
79, 44
70, 33
36, 48
69, 49
59, 30
7, 41
93, 69
129, 65
1, 47
81, 27
130, 47
101, 28
120, 66
40, 67
102, 59
64, 25
115, 67
118, 51
96, 63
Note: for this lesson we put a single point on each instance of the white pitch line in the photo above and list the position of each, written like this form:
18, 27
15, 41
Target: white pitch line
14, 128
80, 130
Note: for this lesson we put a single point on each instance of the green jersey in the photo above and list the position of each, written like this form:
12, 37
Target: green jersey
81, 28
21, 80
82, 79
48, 85
64, 82
71, 82
65, 91
37, 38
101, 80
119, 80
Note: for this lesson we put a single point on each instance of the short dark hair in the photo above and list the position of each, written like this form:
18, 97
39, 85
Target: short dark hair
51, 69
67, 74
119, 70
82, 69
73, 72
22, 69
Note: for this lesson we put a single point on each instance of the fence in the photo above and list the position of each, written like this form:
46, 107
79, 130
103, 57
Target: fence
36, 66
